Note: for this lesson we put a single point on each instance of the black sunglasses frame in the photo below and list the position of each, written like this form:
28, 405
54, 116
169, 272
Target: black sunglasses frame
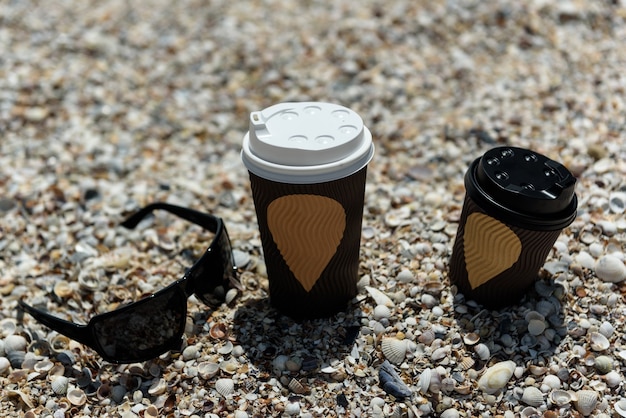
211, 291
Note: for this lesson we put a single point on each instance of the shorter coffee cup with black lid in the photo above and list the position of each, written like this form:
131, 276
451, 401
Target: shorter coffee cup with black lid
517, 202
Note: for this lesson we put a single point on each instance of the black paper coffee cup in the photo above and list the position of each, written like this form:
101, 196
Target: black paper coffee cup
517, 203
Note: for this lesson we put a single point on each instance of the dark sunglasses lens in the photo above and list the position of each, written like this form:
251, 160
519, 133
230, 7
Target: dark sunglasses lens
145, 331
215, 274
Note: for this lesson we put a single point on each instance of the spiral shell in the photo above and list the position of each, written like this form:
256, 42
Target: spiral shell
496, 376
532, 396
225, 387
393, 349
586, 401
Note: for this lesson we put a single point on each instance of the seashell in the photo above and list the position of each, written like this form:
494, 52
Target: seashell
393, 349
190, 352
434, 287
496, 376
218, 331
292, 408
612, 379
14, 342
620, 407
59, 342
8, 326
467, 363
531, 315
606, 329
405, 276
471, 338
158, 387
225, 387
84, 378
391, 382
229, 366
598, 342
88, 282
5, 364
63, 289
56, 370
381, 312
379, 297
278, 364
426, 337
560, 397
536, 326
231, 295
40, 348
16, 358
545, 308
529, 412
482, 351
440, 353
551, 381
617, 202
43, 366
151, 412
586, 401
226, 348
424, 380
603, 364
532, 396
208, 369
610, 269
76, 397
297, 387
66, 357
117, 393
59, 384
450, 413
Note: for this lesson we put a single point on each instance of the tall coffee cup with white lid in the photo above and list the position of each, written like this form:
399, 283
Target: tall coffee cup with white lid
307, 163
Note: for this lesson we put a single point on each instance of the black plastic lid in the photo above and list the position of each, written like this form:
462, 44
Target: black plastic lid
524, 188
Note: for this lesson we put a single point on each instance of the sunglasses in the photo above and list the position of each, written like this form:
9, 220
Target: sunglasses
153, 325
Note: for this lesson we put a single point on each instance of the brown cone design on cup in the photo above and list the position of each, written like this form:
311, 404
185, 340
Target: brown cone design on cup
307, 230
491, 247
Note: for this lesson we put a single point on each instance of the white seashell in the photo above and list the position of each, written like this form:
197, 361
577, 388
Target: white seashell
424, 380
43, 366
620, 407
393, 349
208, 369
551, 381
292, 408
14, 342
606, 329
278, 364
471, 338
450, 413
496, 376
585, 260
598, 342
225, 387
381, 312
190, 352
586, 401
529, 412
405, 276
560, 397
8, 326
5, 364
532, 396
612, 379
229, 366
610, 269
158, 387
379, 297
617, 202
426, 337
482, 351
59, 384
76, 397
536, 326
226, 348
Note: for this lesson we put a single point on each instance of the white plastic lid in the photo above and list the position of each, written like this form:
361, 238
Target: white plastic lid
306, 142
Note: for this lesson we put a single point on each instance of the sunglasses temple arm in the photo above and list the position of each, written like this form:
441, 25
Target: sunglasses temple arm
69, 329
204, 220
